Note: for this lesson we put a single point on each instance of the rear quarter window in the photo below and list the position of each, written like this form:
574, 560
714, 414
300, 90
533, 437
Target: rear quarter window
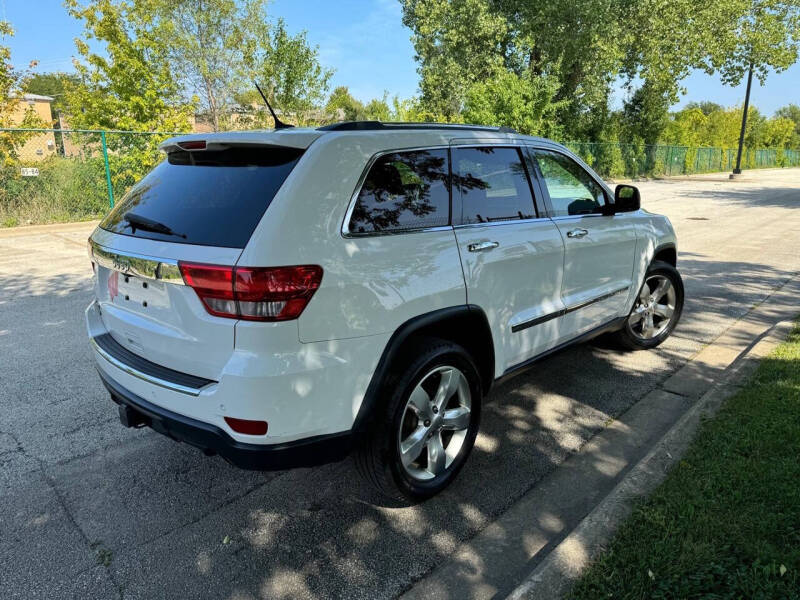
403, 191
208, 197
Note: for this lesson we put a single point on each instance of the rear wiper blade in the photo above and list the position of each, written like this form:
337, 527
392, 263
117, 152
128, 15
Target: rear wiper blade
139, 222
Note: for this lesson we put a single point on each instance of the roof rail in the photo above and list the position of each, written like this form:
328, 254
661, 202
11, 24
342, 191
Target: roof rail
378, 126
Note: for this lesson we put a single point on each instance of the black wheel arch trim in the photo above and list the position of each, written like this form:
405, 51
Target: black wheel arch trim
665, 246
393, 349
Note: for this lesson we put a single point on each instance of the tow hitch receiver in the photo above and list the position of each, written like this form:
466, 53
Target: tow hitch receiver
130, 418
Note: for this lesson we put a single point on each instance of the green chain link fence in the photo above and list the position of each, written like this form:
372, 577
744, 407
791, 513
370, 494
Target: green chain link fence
51, 175
612, 159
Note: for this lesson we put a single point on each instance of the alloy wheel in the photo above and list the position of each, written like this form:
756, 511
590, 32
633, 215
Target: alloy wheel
435, 423
654, 308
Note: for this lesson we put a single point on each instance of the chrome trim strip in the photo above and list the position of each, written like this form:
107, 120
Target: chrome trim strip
565, 311
138, 265
175, 387
497, 223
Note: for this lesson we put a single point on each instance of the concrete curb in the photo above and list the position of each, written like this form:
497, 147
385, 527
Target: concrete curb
557, 572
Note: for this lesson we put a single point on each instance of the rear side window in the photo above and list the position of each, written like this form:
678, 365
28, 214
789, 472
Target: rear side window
493, 185
572, 190
207, 197
402, 191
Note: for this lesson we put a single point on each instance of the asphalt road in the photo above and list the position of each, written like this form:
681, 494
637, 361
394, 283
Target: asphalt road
89, 509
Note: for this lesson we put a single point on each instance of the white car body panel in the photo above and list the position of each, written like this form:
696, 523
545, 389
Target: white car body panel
515, 282
596, 265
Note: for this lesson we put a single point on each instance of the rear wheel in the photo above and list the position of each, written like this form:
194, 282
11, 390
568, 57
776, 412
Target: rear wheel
428, 425
656, 310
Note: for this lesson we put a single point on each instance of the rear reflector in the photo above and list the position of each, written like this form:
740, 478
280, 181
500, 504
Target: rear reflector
253, 293
246, 426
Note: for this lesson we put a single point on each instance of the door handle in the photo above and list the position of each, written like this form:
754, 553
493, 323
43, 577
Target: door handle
577, 233
481, 246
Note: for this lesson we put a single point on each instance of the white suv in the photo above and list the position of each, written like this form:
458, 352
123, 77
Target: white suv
283, 298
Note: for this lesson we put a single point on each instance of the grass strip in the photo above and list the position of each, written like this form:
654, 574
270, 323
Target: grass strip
726, 521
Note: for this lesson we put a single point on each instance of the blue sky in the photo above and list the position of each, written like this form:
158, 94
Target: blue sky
363, 40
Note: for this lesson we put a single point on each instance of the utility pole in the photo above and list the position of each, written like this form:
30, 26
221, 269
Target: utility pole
738, 169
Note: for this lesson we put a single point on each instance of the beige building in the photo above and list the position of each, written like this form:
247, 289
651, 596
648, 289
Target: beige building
42, 145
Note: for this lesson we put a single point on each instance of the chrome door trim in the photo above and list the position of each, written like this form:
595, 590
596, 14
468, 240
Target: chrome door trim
138, 265
565, 311
175, 387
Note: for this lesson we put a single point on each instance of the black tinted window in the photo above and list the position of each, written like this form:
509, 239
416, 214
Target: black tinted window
208, 197
493, 185
404, 190
572, 190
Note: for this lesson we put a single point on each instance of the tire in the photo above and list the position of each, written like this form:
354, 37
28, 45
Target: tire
446, 374
636, 333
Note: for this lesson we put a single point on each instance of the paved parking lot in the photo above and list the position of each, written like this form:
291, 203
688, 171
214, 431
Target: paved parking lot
92, 510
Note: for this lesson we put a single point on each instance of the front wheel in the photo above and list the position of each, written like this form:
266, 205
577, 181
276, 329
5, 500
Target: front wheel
657, 308
428, 426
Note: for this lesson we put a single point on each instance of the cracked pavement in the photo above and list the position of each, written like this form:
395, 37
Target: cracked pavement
89, 509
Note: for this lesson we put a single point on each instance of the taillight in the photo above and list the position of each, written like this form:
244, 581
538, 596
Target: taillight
253, 293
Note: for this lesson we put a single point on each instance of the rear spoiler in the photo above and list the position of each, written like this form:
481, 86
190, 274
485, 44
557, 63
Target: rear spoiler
288, 138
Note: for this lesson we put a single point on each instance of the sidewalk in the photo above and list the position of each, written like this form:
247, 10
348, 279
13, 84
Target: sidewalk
541, 544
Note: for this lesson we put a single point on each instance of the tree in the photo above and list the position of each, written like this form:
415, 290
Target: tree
457, 43
341, 101
792, 112
218, 47
779, 133
761, 33
704, 106
12, 84
132, 86
203, 41
378, 109
524, 103
53, 85
651, 45
290, 69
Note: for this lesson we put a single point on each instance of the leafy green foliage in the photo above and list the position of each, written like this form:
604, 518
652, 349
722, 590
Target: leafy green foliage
53, 85
721, 127
342, 104
219, 47
582, 48
762, 33
291, 70
12, 84
67, 189
791, 112
524, 103
132, 87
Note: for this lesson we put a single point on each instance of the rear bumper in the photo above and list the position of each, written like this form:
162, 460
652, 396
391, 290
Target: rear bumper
213, 440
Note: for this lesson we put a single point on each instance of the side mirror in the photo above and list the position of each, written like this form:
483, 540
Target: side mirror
627, 198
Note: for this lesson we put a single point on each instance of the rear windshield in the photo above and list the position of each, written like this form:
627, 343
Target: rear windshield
207, 197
